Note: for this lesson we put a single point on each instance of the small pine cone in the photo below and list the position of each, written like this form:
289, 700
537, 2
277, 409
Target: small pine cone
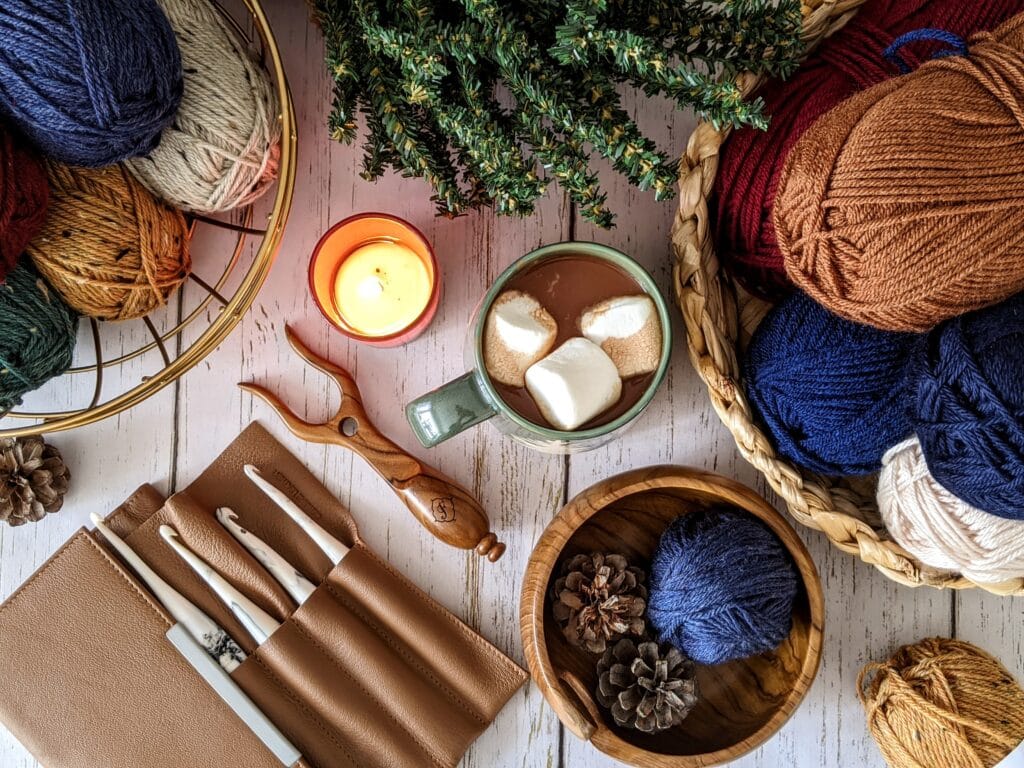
33, 480
598, 599
647, 687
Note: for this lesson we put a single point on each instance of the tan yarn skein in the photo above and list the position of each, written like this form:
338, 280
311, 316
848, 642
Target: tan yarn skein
904, 205
223, 148
942, 704
109, 248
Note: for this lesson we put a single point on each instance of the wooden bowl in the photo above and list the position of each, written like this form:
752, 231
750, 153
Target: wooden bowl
743, 703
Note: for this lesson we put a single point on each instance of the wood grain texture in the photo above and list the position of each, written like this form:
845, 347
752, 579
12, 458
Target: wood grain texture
171, 437
446, 509
743, 702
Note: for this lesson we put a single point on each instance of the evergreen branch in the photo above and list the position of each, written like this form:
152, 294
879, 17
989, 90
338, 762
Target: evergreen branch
421, 152
581, 41
486, 145
748, 34
343, 51
424, 74
540, 86
566, 162
378, 151
562, 160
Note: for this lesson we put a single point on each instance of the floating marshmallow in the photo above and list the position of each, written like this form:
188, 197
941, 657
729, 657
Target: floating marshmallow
519, 332
628, 329
574, 384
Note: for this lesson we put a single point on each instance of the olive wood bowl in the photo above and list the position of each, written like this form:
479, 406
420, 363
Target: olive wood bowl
742, 703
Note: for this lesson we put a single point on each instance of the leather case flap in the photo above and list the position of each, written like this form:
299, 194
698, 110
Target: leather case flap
90, 679
369, 672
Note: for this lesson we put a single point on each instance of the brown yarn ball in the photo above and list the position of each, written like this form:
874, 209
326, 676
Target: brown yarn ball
109, 247
904, 205
942, 703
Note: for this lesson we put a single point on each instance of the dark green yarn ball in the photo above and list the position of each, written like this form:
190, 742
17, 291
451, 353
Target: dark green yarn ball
37, 334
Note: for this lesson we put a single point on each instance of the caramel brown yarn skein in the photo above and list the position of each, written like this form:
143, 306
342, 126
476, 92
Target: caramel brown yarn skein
942, 704
109, 248
904, 205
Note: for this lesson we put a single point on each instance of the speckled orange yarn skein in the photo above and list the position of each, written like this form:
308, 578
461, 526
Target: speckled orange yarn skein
904, 205
942, 703
109, 248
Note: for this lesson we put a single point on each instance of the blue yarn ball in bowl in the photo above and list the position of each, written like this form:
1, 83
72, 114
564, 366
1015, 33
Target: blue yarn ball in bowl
969, 407
722, 587
831, 392
90, 82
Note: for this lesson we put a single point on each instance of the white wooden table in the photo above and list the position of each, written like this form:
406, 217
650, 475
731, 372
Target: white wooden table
172, 436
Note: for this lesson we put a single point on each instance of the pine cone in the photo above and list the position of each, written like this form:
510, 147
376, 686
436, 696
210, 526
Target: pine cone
33, 480
646, 687
598, 599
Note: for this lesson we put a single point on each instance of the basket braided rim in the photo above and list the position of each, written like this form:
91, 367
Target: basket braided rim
715, 312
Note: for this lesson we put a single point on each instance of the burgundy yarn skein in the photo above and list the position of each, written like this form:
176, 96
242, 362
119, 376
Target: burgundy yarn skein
24, 194
848, 62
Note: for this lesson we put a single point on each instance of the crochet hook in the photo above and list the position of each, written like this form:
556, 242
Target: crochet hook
442, 506
329, 545
257, 622
217, 643
294, 583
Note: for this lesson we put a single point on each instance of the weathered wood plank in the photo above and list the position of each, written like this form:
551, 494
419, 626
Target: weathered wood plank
867, 616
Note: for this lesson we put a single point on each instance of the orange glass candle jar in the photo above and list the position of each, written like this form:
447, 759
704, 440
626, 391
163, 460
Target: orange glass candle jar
375, 278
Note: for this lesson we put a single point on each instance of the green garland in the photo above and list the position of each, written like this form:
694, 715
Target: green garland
489, 101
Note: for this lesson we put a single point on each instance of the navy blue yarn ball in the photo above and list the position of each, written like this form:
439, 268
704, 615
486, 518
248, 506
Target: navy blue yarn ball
969, 408
722, 587
831, 392
90, 82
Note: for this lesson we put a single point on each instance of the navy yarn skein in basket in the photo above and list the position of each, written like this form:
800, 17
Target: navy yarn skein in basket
90, 82
831, 392
722, 587
969, 409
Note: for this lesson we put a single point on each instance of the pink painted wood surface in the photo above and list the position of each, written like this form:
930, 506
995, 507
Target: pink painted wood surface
169, 438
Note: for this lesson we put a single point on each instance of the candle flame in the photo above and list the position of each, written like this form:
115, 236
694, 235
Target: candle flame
370, 287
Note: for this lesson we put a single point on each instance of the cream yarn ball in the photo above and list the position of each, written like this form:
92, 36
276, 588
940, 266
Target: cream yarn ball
941, 530
223, 148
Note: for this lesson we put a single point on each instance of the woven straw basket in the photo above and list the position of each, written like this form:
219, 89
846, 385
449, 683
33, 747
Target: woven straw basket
720, 317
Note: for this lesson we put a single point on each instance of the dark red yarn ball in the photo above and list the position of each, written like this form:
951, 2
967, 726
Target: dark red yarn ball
848, 62
24, 194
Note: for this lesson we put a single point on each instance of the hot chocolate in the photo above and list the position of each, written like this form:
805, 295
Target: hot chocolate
566, 288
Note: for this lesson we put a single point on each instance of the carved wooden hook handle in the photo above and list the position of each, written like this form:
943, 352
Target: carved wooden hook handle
443, 506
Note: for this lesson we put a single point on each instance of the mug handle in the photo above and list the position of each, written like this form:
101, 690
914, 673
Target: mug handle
448, 410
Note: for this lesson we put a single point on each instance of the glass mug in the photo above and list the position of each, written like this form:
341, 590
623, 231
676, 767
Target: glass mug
472, 398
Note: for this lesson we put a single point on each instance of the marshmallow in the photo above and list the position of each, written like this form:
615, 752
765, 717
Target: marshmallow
628, 329
574, 384
519, 332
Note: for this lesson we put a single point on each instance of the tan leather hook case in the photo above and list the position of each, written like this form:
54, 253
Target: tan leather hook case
369, 673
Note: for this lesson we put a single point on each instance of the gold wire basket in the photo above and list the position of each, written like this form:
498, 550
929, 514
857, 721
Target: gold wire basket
129, 361
720, 317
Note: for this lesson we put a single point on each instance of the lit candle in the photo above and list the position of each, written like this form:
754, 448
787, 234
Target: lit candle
381, 288
374, 277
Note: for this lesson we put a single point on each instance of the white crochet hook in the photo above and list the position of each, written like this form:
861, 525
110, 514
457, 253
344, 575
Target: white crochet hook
257, 622
295, 584
330, 546
217, 643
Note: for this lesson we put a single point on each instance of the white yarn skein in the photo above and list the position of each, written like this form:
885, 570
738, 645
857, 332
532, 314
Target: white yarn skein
941, 530
223, 148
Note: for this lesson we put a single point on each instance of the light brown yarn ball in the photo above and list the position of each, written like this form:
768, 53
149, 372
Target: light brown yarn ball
223, 149
942, 703
903, 206
109, 248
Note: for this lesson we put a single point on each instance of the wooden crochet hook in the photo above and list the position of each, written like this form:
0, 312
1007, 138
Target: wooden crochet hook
444, 507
